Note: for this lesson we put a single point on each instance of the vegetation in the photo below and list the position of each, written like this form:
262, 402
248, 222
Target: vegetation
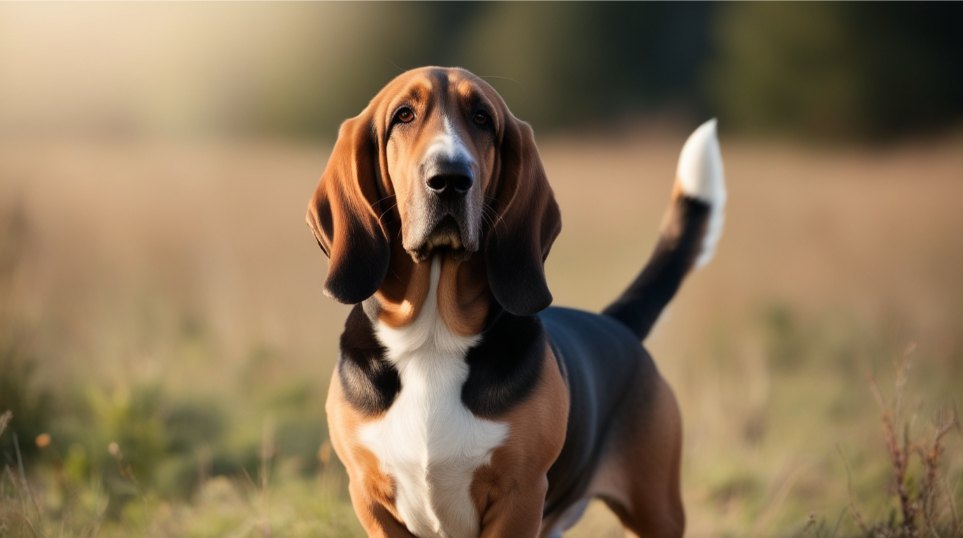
166, 356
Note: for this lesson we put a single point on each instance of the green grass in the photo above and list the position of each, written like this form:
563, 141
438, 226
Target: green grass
143, 460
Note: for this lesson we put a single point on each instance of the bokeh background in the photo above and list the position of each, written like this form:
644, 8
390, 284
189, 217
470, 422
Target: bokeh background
165, 347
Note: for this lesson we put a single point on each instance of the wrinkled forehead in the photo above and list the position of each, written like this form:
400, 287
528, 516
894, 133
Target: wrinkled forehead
437, 86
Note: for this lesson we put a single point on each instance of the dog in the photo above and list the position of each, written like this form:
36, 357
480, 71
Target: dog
462, 404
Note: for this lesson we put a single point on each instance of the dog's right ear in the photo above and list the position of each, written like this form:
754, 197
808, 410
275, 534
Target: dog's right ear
344, 218
527, 223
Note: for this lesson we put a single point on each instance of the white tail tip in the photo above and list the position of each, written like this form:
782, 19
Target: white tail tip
700, 166
700, 176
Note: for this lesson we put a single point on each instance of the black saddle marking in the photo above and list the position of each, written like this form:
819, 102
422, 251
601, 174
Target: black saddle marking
505, 365
369, 381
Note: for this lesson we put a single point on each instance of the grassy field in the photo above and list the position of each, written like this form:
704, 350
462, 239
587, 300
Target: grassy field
165, 347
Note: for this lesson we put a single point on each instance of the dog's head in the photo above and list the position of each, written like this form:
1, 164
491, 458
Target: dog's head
438, 162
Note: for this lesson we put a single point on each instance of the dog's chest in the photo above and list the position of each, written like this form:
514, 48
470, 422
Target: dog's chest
427, 441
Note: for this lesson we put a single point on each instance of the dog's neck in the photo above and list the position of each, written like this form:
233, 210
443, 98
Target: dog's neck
462, 297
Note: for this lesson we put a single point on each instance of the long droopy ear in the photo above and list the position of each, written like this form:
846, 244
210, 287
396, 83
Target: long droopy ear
526, 224
343, 215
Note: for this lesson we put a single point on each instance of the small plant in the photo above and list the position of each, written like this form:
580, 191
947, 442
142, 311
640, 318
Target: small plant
924, 507
21, 515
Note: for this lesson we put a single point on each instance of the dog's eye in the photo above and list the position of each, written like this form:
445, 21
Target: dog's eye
481, 118
404, 115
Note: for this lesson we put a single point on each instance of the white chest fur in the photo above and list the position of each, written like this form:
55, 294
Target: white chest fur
428, 442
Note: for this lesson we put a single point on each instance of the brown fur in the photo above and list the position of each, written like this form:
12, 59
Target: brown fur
463, 295
639, 476
510, 493
404, 290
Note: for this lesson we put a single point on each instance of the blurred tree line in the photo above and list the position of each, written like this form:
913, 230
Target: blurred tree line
835, 71
825, 71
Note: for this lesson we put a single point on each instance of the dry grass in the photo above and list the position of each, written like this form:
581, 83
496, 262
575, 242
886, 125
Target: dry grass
925, 507
160, 286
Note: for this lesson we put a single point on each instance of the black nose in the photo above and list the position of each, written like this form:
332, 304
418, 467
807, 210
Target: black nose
450, 179
450, 184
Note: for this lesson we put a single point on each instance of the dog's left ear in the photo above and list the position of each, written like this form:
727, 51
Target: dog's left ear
526, 224
343, 215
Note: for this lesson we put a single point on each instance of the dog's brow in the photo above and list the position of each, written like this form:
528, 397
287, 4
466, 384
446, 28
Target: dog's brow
417, 92
468, 90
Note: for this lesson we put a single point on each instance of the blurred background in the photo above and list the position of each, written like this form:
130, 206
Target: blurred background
165, 348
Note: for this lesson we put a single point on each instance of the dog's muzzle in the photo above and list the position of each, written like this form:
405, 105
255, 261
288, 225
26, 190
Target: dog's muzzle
451, 207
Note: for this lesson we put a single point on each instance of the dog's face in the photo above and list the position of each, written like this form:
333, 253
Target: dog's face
437, 162
440, 149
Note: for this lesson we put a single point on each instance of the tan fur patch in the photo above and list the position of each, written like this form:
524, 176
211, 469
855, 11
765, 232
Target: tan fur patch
404, 290
372, 492
464, 298
510, 493
463, 295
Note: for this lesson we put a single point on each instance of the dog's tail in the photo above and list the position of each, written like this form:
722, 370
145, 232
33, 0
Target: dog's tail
690, 230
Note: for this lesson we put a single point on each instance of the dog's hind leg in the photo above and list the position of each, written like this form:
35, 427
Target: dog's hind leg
641, 480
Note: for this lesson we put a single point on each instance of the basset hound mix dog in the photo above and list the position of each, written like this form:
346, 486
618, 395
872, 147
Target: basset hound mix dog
462, 404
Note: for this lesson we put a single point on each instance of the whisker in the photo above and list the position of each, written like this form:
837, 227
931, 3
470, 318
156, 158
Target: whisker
386, 197
487, 206
491, 217
384, 213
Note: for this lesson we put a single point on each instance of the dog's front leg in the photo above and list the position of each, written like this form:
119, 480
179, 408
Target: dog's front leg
517, 511
517, 482
371, 491
377, 521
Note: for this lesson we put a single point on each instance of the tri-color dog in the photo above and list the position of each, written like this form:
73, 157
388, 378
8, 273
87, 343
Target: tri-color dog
462, 405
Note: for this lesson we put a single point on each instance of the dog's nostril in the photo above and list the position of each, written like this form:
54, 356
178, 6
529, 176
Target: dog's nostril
460, 183
450, 183
438, 183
